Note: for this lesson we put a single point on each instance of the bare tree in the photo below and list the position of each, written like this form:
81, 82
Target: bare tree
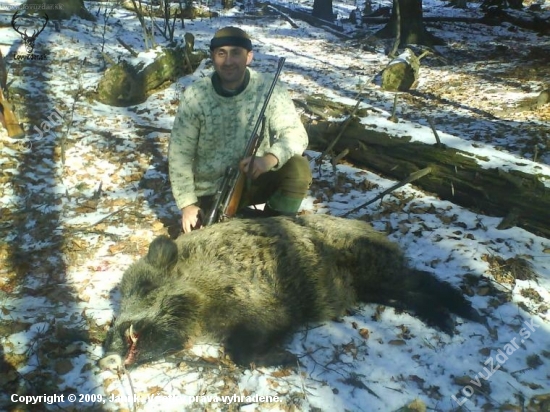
322, 9
459, 4
228, 4
406, 21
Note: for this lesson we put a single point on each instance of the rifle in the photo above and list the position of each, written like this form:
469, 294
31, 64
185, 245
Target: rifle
7, 117
228, 194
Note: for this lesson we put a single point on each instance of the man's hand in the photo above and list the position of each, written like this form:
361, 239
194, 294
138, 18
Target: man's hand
261, 164
190, 218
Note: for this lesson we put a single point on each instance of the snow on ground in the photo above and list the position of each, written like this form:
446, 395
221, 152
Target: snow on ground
64, 249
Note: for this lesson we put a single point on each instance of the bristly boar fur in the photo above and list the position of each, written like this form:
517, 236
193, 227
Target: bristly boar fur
248, 283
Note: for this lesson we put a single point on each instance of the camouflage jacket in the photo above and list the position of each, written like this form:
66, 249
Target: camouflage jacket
210, 132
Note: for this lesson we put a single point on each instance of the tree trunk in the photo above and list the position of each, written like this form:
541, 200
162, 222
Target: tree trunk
406, 19
228, 4
456, 176
322, 9
459, 4
524, 19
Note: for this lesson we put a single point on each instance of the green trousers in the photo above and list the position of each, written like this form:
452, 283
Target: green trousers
282, 190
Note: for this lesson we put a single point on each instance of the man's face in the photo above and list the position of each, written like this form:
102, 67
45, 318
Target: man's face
230, 63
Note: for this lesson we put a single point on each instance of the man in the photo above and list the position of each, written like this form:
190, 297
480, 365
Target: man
215, 119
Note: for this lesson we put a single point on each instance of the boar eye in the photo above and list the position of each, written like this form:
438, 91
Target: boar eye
144, 288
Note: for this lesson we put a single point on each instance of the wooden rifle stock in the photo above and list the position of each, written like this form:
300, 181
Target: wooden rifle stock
228, 195
235, 195
8, 119
231, 202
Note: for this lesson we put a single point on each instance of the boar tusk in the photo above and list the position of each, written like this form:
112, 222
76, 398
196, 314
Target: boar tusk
131, 334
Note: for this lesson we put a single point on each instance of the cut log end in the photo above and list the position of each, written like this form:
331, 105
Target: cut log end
401, 73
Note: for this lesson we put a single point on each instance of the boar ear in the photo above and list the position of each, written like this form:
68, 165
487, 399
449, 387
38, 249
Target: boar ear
163, 253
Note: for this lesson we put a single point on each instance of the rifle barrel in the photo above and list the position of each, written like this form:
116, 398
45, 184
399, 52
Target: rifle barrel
249, 146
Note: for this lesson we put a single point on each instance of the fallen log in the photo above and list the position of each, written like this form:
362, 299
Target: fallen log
493, 17
526, 20
456, 175
401, 73
441, 19
284, 16
124, 85
314, 21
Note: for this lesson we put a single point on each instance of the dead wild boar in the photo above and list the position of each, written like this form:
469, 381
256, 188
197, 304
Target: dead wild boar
249, 283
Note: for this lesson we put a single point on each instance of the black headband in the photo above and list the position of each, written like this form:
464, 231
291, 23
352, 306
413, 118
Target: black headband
231, 41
